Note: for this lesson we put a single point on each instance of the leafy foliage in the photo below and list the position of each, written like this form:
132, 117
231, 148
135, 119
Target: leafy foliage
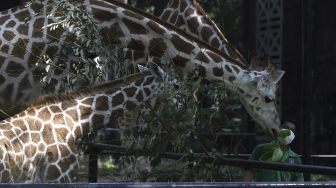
188, 124
85, 61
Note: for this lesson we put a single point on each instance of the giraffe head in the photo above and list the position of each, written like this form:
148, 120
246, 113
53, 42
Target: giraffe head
258, 97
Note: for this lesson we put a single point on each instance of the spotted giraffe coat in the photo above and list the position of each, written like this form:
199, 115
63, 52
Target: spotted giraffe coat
144, 37
39, 144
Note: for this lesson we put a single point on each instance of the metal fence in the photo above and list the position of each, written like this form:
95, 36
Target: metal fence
233, 160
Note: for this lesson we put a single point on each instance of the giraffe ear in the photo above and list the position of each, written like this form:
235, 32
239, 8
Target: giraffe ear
154, 68
276, 75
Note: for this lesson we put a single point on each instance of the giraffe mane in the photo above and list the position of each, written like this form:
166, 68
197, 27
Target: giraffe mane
176, 29
218, 31
108, 86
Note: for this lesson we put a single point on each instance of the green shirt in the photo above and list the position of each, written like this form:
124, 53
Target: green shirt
272, 175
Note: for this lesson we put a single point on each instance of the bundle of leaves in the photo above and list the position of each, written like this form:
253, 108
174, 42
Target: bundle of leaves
274, 151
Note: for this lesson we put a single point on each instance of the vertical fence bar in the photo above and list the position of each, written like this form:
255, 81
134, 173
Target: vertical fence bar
93, 164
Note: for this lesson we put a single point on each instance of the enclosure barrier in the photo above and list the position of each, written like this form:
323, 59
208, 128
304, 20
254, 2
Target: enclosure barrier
172, 184
96, 148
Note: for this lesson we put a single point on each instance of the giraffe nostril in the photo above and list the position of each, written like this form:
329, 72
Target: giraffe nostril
268, 99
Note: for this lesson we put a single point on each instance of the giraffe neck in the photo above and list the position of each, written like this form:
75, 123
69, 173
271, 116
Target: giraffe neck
137, 30
189, 16
23, 40
138, 14
90, 110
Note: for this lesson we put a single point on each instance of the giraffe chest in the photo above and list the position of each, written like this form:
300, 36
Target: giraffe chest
37, 151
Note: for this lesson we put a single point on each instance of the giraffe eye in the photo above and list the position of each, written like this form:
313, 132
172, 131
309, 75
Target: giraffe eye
268, 99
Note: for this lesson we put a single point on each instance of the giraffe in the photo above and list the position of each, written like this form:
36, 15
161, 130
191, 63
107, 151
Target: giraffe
189, 16
137, 30
144, 37
39, 144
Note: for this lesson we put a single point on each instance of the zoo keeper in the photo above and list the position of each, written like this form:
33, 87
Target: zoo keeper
288, 156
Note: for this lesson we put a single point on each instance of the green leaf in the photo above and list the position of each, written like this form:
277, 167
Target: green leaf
273, 152
277, 154
269, 146
267, 156
284, 133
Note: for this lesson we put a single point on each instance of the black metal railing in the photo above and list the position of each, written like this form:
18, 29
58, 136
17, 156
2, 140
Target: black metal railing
240, 160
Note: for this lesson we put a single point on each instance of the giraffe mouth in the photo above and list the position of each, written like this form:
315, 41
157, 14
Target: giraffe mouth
273, 132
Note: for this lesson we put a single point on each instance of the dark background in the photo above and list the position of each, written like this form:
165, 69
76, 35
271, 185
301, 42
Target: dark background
308, 95
9, 4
